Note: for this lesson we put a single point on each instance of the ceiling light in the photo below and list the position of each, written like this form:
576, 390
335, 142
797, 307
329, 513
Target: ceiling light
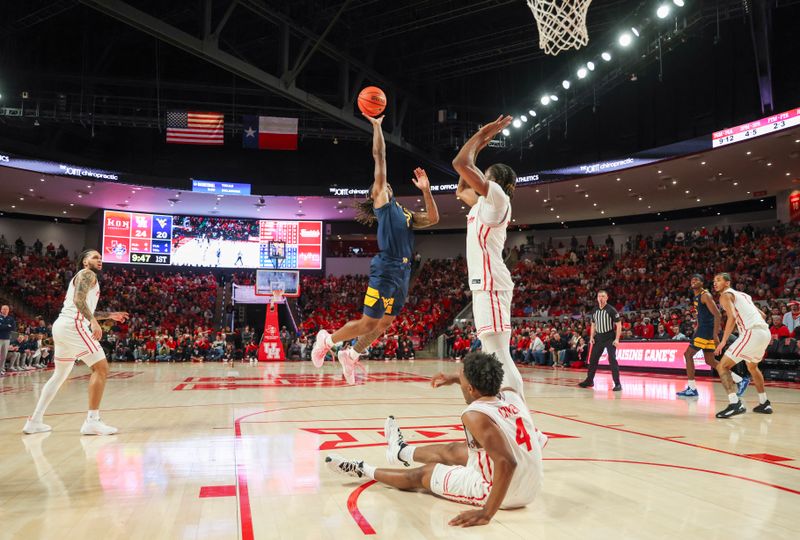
649, 207
545, 100
736, 183
537, 190
702, 163
594, 204
523, 118
41, 179
582, 72
606, 56
663, 11
340, 211
618, 179
678, 3
22, 198
717, 213
30, 189
552, 209
577, 185
674, 182
590, 65
89, 187
72, 204
659, 172
80, 196
516, 123
687, 191
13, 206
586, 195
602, 211
625, 39
630, 189
506, 132
566, 84
553, 97
558, 217
698, 199
640, 198
635, 31
769, 164
64, 212
749, 152
532, 113
787, 174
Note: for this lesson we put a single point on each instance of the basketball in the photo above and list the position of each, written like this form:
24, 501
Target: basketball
371, 101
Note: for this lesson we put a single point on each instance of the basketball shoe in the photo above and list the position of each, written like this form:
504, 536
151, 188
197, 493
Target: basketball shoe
732, 410
321, 348
764, 408
32, 427
689, 392
97, 427
347, 467
348, 358
742, 385
395, 442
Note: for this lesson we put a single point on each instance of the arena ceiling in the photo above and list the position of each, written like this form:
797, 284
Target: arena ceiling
99, 75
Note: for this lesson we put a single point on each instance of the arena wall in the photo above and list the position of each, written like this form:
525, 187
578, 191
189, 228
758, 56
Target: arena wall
70, 234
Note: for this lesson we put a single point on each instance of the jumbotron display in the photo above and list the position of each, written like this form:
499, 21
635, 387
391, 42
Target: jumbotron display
140, 238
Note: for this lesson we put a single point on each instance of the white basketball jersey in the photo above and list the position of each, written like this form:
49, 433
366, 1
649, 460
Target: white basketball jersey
69, 309
511, 415
747, 315
485, 242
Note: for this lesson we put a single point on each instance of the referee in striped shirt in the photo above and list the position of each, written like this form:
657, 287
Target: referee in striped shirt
606, 330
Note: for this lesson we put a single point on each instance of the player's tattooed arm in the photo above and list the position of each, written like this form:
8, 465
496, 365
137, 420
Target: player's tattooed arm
102, 315
85, 280
431, 214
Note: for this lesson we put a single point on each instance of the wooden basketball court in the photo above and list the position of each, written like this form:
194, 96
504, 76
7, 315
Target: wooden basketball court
214, 451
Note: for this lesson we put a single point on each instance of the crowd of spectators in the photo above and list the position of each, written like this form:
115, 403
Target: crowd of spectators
214, 228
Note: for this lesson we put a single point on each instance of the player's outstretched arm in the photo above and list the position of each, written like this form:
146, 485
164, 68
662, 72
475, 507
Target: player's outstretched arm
440, 379
489, 436
119, 316
379, 192
465, 193
464, 162
431, 214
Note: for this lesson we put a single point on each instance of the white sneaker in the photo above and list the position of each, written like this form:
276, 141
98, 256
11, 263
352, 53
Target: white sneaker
348, 359
97, 427
32, 427
395, 442
320, 349
351, 467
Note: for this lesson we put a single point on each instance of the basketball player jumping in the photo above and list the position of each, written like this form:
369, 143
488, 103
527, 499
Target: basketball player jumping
706, 338
498, 466
390, 270
754, 338
75, 335
489, 194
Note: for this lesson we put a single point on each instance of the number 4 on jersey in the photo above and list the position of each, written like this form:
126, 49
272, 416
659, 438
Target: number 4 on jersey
522, 435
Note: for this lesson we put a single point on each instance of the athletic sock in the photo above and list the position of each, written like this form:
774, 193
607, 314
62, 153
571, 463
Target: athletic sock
369, 471
407, 453
93, 415
762, 398
49, 390
733, 398
692, 385
736, 377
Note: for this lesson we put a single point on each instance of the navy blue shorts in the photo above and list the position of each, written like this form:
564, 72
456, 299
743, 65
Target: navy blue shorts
704, 339
388, 287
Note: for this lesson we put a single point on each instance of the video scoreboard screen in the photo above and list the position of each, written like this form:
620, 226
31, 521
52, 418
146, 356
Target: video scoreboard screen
140, 238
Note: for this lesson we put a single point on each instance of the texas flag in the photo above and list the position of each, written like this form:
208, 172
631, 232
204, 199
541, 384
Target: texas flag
270, 132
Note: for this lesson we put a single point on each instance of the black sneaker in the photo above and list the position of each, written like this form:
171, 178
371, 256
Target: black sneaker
586, 384
764, 408
732, 410
617, 388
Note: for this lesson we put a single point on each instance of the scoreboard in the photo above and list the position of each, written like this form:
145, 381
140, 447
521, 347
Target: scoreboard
141, 238
130, 237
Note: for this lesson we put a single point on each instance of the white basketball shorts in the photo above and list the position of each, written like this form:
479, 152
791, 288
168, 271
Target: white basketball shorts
750, 346
460, 484
492, 311
72, 340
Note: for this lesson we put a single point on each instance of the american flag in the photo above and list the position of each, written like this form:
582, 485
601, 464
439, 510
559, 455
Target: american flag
195, 127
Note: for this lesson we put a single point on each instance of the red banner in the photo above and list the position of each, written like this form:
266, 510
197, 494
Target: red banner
794, 207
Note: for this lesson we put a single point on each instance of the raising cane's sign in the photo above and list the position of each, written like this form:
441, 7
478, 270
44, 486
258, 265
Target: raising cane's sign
668, 354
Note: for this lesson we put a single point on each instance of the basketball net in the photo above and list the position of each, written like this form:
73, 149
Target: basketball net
561, 24
277, 296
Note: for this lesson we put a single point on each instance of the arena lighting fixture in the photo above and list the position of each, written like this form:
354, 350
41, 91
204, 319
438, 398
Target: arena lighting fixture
30, 189
590, 65
506, 132
678, 3
663, 11
516, 123
702, 163
618, 179
41, 179
64, 212
769, 164
749, 152
72, 204
602, 211
582, 73
13, 206
523, 118
553, 97
736, 183
606, 56
674, 182
625, 39
532, 113
635, 31
545, 100
566, 84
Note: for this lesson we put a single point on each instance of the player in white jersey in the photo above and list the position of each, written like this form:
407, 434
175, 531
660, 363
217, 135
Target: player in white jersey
75, 337
499, 466
754, 337
489, 196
